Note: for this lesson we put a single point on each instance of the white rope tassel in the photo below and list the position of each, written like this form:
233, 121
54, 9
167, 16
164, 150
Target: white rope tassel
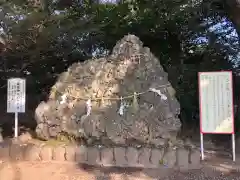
121, 108
89, 106
64, 99
163, 96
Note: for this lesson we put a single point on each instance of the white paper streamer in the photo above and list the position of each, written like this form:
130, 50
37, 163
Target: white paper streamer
64, 99
121, 108
163, 96
89, 106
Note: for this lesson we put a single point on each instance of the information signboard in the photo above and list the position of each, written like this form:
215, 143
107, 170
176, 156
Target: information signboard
16, 97
216, 105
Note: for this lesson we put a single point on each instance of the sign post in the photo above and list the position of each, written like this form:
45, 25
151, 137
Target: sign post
216, 105
16, 99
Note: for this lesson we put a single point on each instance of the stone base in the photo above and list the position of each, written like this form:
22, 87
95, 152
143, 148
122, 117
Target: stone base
104, 156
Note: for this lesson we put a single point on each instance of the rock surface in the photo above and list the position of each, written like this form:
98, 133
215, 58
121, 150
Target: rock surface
147, 113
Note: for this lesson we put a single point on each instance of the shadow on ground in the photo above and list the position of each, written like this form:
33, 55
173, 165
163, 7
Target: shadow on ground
105, 173
205, 173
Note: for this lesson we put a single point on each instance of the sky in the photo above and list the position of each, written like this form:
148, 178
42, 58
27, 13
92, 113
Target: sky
230, 41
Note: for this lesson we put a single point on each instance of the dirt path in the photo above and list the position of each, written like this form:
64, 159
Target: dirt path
67, 171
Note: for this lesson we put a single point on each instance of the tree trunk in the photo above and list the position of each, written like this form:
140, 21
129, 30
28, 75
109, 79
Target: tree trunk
232, 8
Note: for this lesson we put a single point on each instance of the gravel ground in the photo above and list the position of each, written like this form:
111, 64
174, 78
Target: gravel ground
66, 171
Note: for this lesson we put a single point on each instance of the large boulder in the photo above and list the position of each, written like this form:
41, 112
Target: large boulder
125, 97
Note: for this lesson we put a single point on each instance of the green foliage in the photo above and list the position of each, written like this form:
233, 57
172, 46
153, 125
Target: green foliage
43, 40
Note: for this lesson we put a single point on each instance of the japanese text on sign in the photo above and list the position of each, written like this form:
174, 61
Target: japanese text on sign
16, 95
216, 102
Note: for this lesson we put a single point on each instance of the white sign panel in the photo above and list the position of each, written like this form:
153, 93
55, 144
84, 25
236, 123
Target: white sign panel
16, 98
216, 102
